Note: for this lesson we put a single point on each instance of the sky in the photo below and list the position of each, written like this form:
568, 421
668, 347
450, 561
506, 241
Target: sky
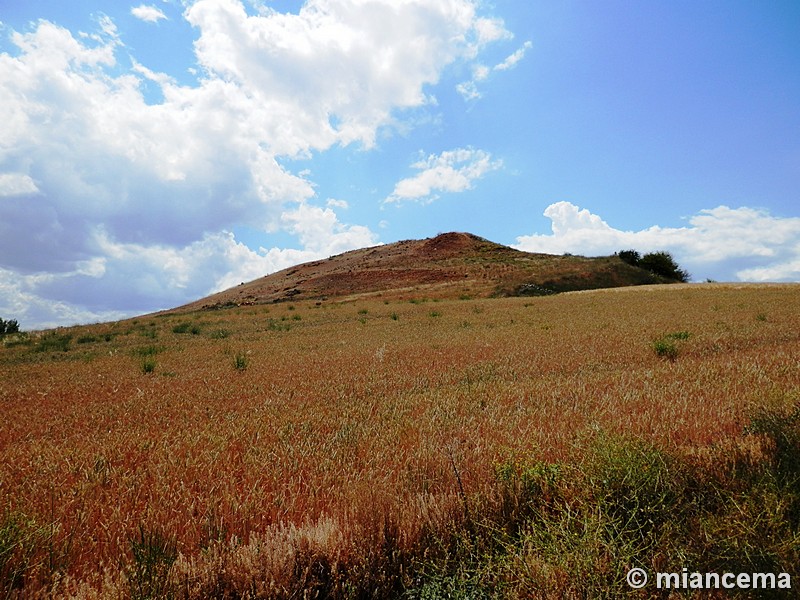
153, 153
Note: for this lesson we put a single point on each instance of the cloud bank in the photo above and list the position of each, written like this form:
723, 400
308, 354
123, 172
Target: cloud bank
720, 243
113, 204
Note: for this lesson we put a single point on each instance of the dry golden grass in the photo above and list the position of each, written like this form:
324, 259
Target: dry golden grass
328, 431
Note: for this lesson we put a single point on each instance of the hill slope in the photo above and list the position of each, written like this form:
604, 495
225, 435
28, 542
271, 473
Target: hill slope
448, 265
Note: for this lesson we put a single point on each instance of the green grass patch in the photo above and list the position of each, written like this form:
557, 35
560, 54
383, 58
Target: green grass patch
576, 529
54, 342
667, 345
147, 365
148, 350
153, 554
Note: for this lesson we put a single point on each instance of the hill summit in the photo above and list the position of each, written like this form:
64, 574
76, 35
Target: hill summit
450, 265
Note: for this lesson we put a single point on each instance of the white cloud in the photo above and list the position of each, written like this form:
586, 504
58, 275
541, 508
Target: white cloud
334, 203
128, 278
16, 184
336, 71
321, 233
101, 187
150, 14
469, 89
723, 243
451, 171
491, 30
511, 61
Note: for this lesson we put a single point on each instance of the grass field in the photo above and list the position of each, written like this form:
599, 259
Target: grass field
510, 448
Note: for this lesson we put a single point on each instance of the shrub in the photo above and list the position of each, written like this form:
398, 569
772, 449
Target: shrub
181, 328
662, 263
666, 346
240, 361
7, 327
148, 365
632, 257
658, 263
53, 342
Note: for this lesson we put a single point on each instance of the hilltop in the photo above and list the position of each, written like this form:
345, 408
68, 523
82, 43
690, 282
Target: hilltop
450, 265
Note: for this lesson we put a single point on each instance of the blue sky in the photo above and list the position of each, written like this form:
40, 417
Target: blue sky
155, 152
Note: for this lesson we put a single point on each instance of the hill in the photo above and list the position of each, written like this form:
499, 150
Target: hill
450, 265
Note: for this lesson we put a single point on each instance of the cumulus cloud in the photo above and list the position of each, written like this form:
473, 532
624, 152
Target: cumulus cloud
726, 243
335, 72
149, 14
100, 187
450, 171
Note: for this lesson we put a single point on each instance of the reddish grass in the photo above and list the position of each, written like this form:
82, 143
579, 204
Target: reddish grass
342, 435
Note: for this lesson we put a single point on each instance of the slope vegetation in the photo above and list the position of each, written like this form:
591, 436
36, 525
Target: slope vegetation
449, 265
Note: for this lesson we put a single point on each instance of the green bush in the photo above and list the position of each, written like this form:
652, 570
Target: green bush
10, 326
658, 263
632, 257
181, 328
240, 361
662, 263
666, 346
148, 365
54, 342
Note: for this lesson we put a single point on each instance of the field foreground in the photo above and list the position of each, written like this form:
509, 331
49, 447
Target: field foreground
410, 448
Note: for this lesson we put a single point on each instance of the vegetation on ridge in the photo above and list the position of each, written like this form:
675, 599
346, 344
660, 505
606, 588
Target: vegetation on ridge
446, 266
